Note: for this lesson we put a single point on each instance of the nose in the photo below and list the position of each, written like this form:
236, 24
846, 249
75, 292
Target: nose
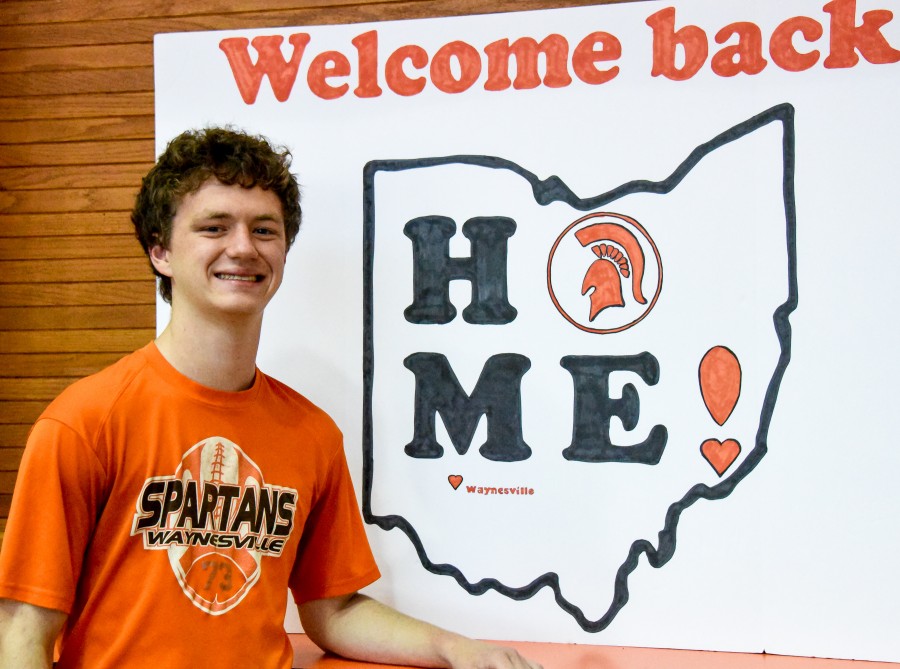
241, 243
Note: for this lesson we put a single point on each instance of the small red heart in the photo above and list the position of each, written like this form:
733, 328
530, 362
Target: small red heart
455, 480
720, 454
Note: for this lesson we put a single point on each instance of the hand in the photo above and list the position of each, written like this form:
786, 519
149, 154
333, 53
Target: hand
465, 653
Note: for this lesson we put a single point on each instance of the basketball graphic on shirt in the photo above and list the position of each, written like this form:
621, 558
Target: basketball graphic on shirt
217, 578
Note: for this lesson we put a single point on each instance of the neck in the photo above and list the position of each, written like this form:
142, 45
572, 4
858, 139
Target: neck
217, 355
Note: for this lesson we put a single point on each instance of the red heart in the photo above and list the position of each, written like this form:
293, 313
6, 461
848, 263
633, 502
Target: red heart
720, 454
455, 480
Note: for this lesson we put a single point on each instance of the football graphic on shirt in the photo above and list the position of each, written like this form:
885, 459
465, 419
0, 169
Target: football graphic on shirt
216, 518
216, 578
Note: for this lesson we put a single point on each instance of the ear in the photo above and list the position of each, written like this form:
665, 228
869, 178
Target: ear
159, 257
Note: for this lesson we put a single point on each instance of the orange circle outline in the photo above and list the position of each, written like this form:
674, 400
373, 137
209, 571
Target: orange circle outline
621, 217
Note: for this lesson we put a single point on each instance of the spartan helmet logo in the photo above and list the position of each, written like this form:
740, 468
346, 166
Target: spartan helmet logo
621, 249
602, 280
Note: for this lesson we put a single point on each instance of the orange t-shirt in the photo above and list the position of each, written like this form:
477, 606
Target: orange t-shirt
169, 519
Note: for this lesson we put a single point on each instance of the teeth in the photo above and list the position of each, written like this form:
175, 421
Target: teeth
238, 277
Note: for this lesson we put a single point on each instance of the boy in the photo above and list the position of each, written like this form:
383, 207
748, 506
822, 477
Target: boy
165, 505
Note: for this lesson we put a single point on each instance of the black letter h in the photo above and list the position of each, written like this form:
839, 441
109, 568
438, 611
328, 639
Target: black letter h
434, 269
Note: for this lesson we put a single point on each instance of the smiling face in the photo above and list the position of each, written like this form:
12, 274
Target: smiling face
227, 251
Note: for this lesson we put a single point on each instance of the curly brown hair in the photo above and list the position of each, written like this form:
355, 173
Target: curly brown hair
229, 155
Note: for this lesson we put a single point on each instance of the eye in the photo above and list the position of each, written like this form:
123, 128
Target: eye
210, 227
267, 231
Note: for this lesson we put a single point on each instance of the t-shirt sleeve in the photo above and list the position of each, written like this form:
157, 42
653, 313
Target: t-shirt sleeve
54, 510
334, 557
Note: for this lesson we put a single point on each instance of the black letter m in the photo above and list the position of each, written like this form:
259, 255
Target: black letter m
497, 395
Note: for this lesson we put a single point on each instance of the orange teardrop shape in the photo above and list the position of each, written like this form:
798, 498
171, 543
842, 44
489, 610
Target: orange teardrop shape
720, 382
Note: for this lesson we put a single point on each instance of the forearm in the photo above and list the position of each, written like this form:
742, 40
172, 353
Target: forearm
361, 628
365, 629
28, 634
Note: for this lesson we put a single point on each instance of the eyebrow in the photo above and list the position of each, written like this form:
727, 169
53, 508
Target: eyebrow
214, 215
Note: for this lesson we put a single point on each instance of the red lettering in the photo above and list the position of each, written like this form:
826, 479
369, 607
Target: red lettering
469, 61
271, 63
666, 41
745, 56
395, 76
526, 49
597, 47
367, 50
847, 38
324, 66
781, 45
678, 54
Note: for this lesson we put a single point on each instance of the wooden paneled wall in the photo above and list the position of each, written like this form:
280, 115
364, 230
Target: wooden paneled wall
76, 135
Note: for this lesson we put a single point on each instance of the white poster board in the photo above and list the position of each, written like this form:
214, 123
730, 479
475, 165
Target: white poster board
592, 291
